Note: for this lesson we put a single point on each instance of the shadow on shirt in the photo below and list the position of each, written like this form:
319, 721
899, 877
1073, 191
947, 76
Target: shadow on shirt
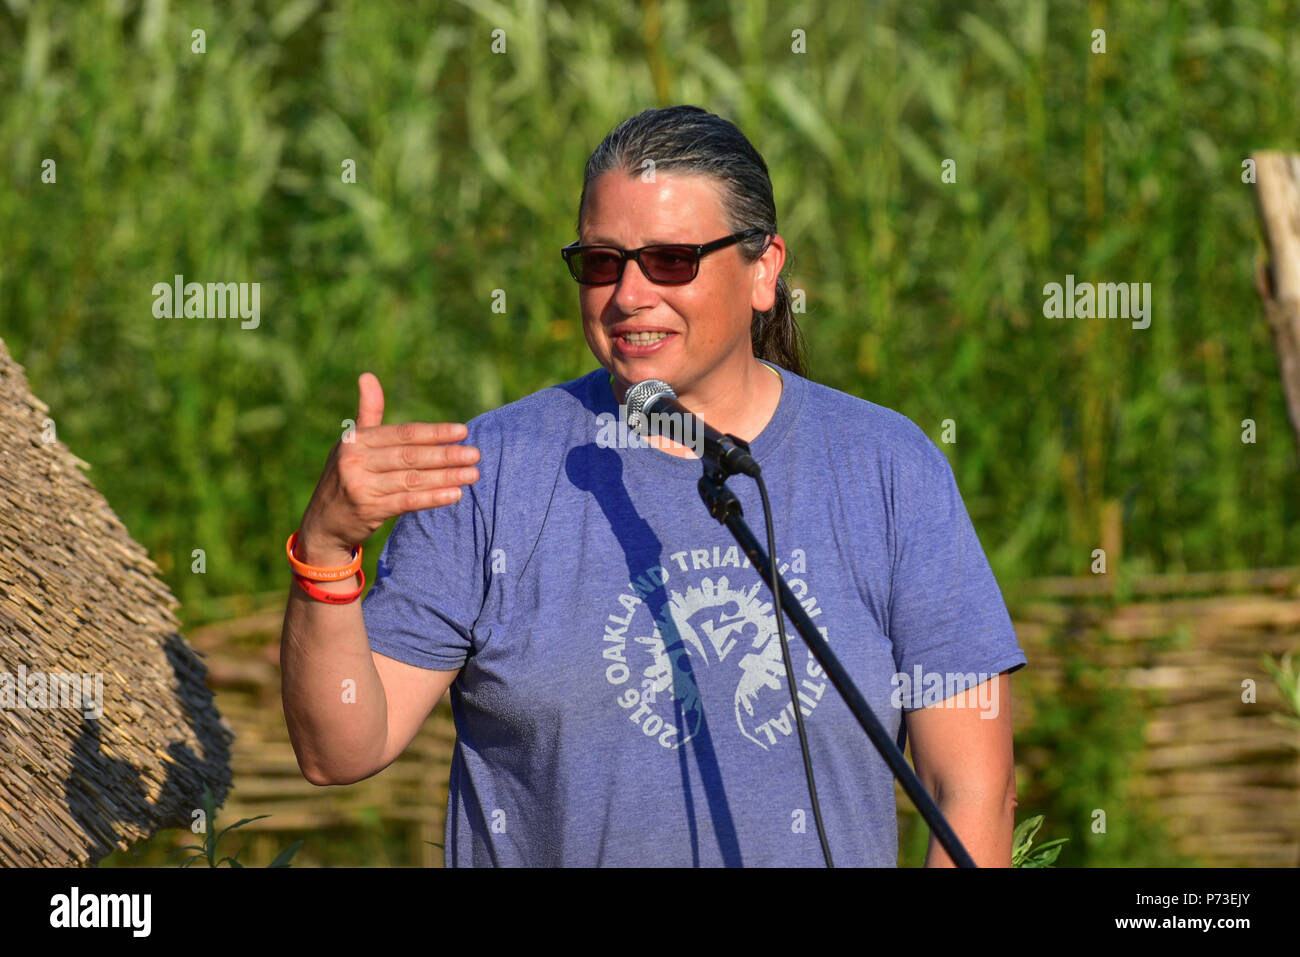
599, 471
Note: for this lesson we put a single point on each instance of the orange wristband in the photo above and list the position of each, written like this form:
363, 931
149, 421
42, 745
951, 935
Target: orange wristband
334, 598
315, 574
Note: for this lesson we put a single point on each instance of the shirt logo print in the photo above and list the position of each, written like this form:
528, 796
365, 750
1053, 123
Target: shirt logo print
706, 627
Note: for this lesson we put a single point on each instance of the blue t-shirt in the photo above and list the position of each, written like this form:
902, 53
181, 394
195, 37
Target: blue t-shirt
623, 699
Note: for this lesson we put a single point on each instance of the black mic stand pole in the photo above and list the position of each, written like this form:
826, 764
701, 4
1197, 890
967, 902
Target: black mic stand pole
725, 507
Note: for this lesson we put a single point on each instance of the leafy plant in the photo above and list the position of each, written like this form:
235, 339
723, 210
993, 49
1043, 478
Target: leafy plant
1022, 840
1287, 676
208, 850
923, 295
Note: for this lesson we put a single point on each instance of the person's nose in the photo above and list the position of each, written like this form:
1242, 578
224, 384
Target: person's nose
634, 290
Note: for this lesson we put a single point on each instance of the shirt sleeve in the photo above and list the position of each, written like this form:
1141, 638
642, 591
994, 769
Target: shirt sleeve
429, 586
948, 620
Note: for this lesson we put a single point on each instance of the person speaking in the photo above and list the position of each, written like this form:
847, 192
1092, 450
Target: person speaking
619, 690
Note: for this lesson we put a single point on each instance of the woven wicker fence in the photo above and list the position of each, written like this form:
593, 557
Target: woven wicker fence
1223, 776
1221, 772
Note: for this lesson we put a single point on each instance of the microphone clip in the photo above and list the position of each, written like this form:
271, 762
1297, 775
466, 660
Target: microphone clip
729, 456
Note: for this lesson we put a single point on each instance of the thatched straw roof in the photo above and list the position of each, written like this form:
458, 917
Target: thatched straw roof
80, 599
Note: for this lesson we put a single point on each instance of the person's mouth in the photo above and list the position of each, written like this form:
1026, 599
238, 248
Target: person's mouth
643, 338
638, 342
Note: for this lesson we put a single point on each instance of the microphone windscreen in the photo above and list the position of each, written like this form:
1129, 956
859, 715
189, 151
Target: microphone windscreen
639, 396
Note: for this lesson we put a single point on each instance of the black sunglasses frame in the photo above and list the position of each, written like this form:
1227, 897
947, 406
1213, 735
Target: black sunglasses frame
567, 252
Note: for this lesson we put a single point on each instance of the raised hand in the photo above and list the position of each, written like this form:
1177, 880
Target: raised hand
385, 471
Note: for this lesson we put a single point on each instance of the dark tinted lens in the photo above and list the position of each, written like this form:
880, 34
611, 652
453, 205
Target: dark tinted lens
670, 263
597, 265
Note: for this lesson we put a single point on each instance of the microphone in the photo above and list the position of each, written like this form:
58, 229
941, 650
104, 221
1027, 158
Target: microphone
654, 397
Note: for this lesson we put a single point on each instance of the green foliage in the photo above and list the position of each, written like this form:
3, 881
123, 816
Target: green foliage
369, 840
914, 843
1022, 841
208, 850
923, 296
1287, 676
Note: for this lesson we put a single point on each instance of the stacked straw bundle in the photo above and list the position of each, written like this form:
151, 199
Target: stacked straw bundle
107, 730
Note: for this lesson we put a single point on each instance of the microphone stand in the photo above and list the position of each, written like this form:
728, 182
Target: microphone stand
725, 507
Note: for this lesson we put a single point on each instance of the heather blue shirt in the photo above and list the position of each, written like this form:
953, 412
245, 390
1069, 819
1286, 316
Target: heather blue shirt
622, 698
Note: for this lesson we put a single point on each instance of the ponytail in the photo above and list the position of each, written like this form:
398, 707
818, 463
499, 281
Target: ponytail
776, 335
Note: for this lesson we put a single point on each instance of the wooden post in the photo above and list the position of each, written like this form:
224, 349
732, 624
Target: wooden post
1277, 191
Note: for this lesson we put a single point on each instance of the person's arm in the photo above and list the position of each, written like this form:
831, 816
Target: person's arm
321, 647
963, 756
351, 711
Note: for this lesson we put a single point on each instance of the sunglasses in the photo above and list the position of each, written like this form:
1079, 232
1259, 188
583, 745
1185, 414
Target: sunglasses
668, 265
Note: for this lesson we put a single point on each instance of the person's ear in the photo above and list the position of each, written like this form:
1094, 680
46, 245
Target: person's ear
767, 269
